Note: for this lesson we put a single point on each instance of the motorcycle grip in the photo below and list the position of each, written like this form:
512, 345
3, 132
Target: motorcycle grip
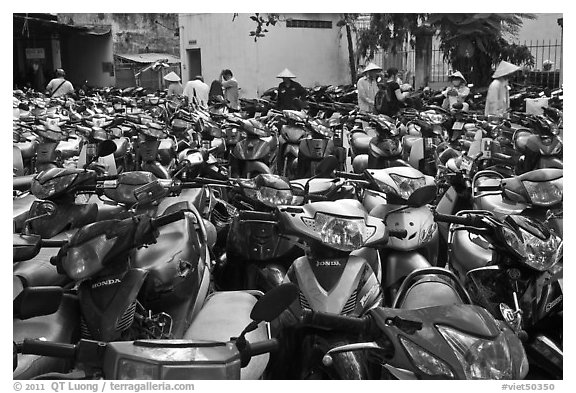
250, 215
45, 348
168, 218
53, 243
459, 220
351, 176
400, 234
262, 347
339, 323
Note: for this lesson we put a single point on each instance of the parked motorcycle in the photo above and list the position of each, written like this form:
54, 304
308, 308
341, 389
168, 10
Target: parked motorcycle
513, 267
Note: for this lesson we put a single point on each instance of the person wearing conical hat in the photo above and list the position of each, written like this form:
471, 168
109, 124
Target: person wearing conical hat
498, 97
174, 85
457, 93
290, 92
367, 88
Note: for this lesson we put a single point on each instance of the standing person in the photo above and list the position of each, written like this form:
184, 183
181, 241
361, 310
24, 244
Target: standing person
397, 96
230, 86
197, 88
290, 92
174, 86
498, 97
367, 88
457, 93
216, 89
59, 86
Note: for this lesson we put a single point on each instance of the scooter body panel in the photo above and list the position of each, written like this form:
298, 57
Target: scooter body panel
225, 315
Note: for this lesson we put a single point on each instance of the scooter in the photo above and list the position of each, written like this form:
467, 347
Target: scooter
255, 154
384, 150
340, 275
207, 351
293, 129
513, 267
431, 332
541, 146
401, 196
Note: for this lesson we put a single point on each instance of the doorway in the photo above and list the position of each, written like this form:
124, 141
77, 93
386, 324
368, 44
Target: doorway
194, 63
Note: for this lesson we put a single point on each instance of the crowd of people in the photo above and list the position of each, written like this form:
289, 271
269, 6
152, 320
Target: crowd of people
378, 92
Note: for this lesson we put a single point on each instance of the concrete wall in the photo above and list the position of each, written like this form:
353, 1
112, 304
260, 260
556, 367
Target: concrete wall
83, 57
133, 33
544, 27
316, 56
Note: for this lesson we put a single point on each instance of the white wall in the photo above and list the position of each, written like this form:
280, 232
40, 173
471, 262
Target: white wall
316, 56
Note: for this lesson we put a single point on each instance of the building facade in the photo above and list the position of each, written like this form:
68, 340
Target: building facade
312, 46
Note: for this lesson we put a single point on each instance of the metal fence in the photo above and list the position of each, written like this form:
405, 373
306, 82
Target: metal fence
542, 51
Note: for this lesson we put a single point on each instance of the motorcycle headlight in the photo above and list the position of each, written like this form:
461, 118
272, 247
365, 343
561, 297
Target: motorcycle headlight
425, 361
51, 187
407, 185
345, 234
538, 254
480, 358
85, 260
270, 196
544, 193
129, 369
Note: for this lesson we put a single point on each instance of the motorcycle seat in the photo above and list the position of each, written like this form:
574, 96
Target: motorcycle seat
70, 148
28, 149
428, 292
225, 315
62, 327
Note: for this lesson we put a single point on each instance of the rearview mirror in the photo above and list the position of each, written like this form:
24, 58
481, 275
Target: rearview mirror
37, 301
105, 148
274, 302
422, 196
326, 166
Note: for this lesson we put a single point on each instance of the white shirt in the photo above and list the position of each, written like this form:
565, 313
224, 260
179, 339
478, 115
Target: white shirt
198, 89
66, 87
367, 90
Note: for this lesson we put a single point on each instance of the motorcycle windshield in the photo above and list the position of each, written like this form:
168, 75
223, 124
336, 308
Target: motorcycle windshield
293, 134
251, 149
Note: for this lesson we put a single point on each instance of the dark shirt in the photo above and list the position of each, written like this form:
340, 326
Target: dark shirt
287, 96
394, 105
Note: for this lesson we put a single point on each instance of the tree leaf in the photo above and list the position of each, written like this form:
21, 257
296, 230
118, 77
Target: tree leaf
254, 18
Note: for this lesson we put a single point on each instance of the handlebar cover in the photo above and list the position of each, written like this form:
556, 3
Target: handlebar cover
45, 348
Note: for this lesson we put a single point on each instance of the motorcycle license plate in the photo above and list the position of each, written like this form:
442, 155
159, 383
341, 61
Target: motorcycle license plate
458, 125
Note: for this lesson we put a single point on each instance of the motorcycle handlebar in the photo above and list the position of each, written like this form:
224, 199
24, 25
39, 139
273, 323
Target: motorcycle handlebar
45, 348
250, 215
262, 347
168, 218
400, 234
471, 221
350, 176
341, 323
